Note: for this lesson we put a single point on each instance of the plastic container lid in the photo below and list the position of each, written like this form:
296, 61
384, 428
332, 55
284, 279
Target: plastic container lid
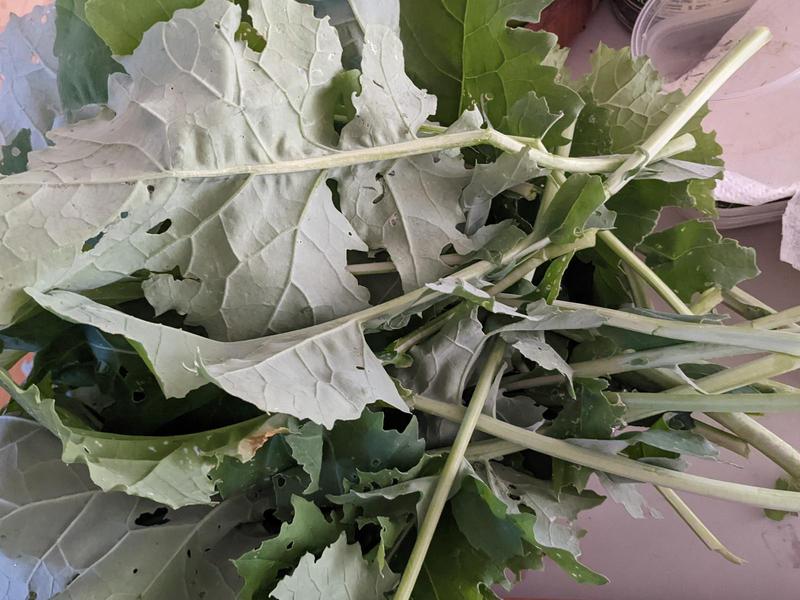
678, 36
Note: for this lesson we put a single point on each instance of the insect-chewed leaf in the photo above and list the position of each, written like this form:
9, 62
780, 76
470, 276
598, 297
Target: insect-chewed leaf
172, 470
323, 373
46, 508
692, 257
340, 572
151, 183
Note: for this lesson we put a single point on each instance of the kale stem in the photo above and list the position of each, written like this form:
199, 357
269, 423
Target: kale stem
707, 301
655, 142
694, 101
450, 471
722, 438
614, 464
756, 339
653, 403
697, 526
639, 267
630, 361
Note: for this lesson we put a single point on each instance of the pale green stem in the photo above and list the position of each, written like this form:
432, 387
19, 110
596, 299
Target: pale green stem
638, 266
762, 439
382, 267
554, 181
697, 526
603, 164
546, 253
405, 343
638, 288
473, 271
688, 107
450, 470
741, 375
765, 340
630, 361
747, 428
661, 136
658, 402
722, 438
742, 303
616, 465
707, 301
783, 318
484, 450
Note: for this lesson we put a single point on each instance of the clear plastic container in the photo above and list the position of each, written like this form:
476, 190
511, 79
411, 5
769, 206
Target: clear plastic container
755, 112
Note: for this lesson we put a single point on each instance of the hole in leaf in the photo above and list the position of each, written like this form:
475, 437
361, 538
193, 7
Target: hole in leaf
138, 396
91, 242
160, 227
280, 481
149, 519
151, 188
269, 521
135, 571
123, 372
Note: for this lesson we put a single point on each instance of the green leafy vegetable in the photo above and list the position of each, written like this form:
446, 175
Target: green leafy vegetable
692, 257
466, 52
259, 248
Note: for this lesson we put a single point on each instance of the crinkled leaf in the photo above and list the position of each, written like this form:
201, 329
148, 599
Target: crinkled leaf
533, 346
489, 180
478, 511
172, 470
351, 19
240, 244
441, 369
340, 573
355, 449
455, 569
29, 93
409, 206
677, 441
136, 548
541, 316
591, 414
308, 531
306, 447
692, 257
475, 295
465, 52
554, 526
625, 492
324, 373
530, 116
624, 104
